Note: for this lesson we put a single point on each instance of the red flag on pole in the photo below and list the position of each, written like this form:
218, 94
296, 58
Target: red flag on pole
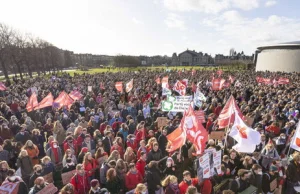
119, 86
231, 79
129, 86
75, 95
63, 100
226, 116
194, 87
282, 80
47, 101
176, 139
217, 83
32, 102
195, 132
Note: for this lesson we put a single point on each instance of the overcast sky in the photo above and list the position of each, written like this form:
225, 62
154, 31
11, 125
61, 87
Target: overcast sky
156, 27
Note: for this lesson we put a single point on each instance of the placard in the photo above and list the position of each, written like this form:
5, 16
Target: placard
177, 104
9, 187
204, 164
82, 109
49, 177
273, 185
200, 115
217, 135
49, 189
66, 177
89, 88
217, 159
161, 122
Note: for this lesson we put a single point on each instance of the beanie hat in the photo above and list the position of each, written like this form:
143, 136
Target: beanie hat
94, 183
84, 149
273, 168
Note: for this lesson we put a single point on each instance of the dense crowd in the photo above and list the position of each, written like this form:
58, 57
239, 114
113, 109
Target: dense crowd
112, 143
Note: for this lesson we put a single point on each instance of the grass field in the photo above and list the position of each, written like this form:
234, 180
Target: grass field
101, 70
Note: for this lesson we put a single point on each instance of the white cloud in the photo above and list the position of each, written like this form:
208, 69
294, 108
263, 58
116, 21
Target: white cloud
175, 21
210, 6
270, 3
136, 21
251, 33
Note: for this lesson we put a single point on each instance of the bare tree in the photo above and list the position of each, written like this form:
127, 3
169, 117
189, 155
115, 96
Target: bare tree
6, 34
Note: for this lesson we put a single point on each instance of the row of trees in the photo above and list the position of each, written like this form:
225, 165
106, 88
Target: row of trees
24, 53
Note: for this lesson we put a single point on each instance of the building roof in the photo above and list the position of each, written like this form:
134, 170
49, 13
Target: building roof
190, 52
281, 45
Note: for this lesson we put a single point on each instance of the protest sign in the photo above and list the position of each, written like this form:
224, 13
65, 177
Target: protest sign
273, 185
217, 135
217, 159
161, 121
89, 88
9, 187
204, 164
66, 177
179, 104
49, 189
49, 177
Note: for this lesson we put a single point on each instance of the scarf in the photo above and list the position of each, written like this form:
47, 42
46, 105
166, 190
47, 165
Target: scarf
55, 152
175, 188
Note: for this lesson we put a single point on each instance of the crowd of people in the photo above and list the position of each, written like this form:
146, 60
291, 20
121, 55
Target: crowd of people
112, 143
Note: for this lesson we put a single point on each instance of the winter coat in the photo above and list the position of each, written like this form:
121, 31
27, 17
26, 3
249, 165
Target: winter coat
51, 154
172, 189
4, 155
132, 180
22, 137
39, 142
153, 179
183, 185
80, 183
140, 166
89, 167
268, 157
33, 153
60, 134
154, 155
293, 172
114, 186
3, 175
103, 171
26, 166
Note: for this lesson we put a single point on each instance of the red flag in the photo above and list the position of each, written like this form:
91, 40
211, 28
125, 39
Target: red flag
231, 79
266, 81
185, 82
2, 86
32, 102
119, 86
194, 87
195, 132
275, 83
200, 115
259, 79
176, 139
282, 80
226, 85
180, 88
217, 84
63, 100
47, 101
226, 116
75, 95
157, 81
219, 72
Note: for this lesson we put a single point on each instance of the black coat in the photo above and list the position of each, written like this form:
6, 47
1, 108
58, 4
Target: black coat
293, 172
162, 142
106, 145
156, 156
256, 180
238, 185
153, 179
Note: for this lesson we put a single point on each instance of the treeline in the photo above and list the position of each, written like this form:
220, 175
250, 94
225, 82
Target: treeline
24, 53
126, 61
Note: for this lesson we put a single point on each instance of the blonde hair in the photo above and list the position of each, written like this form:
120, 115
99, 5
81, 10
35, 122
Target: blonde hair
37, 131
77, 131
45, 158
23, 151
169, 179
140, 188
4, 162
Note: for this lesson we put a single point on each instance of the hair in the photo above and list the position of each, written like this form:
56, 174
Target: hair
23, 151
296, 156
114, 155
99, 152
256, 167
79, 167
46, 158
37, 166
4, 162
66, 153
131, 165
95, 132
120, 164
11, 172
246, 161
39, 180
191, 190
185, 173
228, 192
36, 131
142, 153
140, 188
77, 131
85, 158
169, 179
112, 163
26, 146
110, 174
151, 142
67, 188
242, 172
225, 157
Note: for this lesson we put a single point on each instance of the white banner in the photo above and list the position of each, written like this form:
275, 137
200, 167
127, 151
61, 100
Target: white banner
176, 103
204, 165
217, 161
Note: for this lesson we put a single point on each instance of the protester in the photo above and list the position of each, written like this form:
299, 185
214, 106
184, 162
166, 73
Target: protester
133, 177
80, 180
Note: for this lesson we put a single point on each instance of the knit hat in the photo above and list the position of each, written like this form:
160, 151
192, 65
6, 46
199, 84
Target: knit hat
273, 168
94, 183
84, 149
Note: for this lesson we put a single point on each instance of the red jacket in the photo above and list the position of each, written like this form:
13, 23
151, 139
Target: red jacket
132, 180
140, 166
140, 150
131, 144
90, 167
273, 129
119, 149
206, 187
183, 185
75, 147
80, 184
138, 137
102, 128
